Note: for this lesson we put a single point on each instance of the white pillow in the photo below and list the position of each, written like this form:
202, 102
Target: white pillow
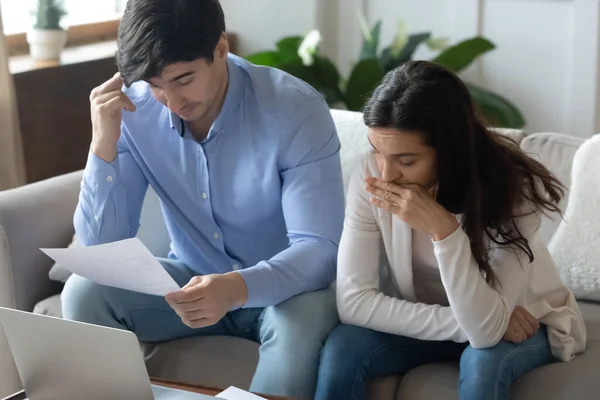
576, 244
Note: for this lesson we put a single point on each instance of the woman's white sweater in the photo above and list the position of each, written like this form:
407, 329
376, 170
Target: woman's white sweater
478, 313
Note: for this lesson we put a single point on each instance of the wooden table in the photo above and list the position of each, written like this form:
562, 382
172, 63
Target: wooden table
210, 391
207, 390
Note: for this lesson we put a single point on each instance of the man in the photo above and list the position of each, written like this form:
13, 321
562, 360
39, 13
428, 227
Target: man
245, 160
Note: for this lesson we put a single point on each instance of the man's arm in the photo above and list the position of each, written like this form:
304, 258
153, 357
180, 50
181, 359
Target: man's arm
313, 206
113, 186
110, 200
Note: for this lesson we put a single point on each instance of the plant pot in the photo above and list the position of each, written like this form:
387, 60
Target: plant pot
46, 44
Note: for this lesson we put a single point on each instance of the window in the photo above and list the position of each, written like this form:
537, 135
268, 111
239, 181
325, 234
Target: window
17, 18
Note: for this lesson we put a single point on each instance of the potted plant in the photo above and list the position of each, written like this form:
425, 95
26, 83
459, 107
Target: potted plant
47, 38
300, 57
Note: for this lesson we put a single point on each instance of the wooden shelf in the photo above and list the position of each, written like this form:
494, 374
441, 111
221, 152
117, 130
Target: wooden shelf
70, 55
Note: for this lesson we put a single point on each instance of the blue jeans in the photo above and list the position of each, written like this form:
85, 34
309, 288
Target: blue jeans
291, 334
353, 355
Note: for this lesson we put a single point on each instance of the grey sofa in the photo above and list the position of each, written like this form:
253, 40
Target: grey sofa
40, 215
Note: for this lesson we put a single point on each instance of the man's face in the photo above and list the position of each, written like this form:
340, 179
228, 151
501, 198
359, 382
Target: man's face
190, 89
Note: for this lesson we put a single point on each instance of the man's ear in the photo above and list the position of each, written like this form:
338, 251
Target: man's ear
222, 49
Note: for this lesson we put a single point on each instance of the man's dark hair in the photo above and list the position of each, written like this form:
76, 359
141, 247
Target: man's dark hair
156, 33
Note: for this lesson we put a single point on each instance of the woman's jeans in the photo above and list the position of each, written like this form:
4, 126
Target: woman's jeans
353, 355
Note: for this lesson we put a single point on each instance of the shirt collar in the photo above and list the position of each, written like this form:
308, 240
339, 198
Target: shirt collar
230, 104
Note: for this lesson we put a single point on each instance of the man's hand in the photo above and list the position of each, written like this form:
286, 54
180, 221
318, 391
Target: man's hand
106, 103
522, 326
206, 299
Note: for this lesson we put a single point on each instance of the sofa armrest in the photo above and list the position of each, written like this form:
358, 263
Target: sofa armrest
33, 216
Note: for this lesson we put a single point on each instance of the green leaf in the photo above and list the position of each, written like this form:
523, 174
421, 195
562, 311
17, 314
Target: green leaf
267, 58
288, 47
371, 45
388, 62
460, 56
496, 110
365, 77
322, 75
414, 41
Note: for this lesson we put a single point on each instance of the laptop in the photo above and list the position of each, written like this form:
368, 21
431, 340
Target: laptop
68, 360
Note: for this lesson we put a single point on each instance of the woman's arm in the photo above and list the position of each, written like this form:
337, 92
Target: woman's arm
482, 311
358, 297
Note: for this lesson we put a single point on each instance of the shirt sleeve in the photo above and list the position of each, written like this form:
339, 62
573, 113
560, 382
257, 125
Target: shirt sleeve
485, 321
360, 302
313, 206
110, 199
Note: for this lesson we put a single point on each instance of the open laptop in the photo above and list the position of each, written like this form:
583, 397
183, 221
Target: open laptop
68, 360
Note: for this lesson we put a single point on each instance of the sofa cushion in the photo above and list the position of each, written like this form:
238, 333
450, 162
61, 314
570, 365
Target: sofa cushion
353, 138
574, 246
556, 152
516, 134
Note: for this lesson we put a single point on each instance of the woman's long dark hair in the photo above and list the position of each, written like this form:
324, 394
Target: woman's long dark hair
481, 174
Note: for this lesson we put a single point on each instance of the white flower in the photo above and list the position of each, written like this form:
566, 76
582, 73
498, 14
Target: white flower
308, 47
401, 39
438, 43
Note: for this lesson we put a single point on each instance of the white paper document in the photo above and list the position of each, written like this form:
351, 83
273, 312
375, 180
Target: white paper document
126, 264
233, 393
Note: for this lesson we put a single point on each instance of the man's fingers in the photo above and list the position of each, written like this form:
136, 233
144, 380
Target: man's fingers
184, 296
195, 315
114, 83
188, 307
124, 102
193, 282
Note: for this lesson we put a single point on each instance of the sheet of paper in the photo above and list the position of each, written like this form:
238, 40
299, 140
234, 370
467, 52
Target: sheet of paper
126, 264
233, 393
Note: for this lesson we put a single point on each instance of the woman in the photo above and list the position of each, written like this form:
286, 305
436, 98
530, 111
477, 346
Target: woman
457, 209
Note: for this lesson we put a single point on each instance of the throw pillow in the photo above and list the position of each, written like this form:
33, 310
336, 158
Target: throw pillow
576, 244
58, 273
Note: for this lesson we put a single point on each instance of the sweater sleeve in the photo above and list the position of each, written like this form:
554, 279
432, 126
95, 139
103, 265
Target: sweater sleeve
358, 297
485, 321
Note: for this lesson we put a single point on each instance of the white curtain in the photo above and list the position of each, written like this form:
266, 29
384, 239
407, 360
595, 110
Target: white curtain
12, 170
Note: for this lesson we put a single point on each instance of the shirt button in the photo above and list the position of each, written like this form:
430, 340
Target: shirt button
216, 235
97, 218
236, 266
109, 178
204, 196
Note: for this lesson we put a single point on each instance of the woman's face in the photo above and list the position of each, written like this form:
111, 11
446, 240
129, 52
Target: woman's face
403, 158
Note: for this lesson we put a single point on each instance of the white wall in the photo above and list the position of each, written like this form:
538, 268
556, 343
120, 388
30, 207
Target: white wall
259, 24
546, 61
